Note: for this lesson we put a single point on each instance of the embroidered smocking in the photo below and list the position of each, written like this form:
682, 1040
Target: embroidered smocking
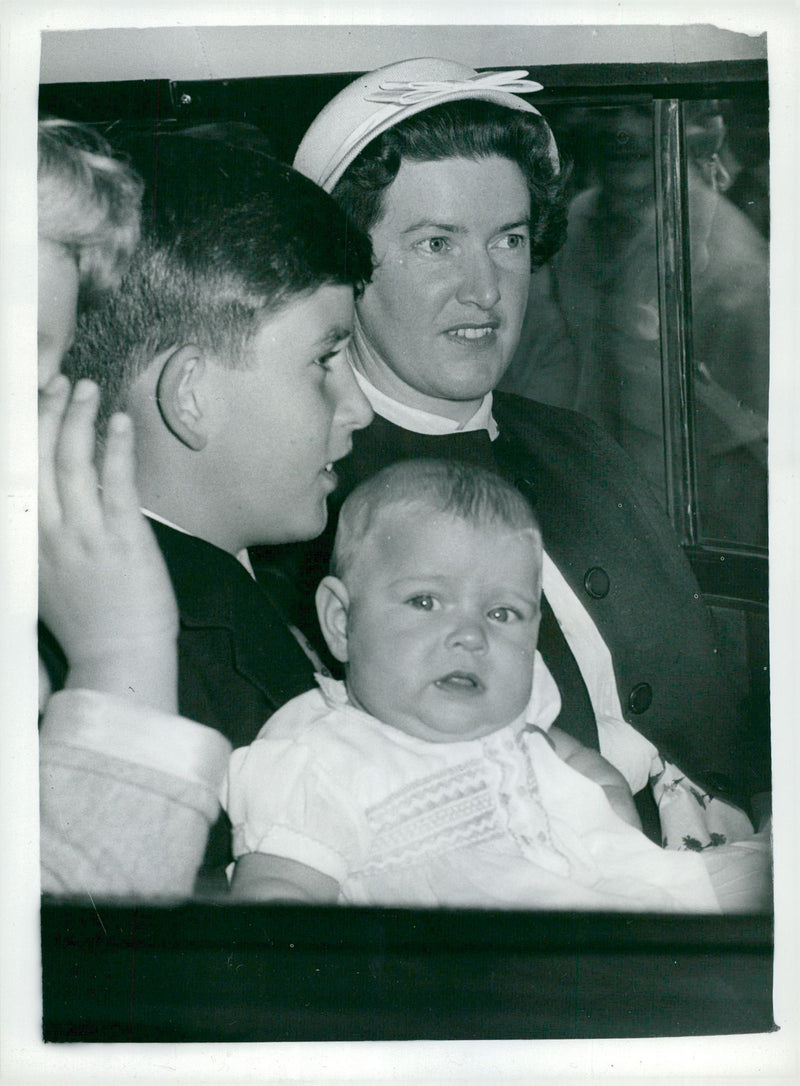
528, 821
487, 798
447, 810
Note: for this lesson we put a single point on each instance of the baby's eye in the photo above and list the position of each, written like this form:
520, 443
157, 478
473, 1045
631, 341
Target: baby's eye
504, 614
423, 602
435, 246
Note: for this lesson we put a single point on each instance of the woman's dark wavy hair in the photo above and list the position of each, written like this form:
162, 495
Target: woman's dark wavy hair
473, 129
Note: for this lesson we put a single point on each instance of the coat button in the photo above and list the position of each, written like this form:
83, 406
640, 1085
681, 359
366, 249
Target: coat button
597, 583
640, 698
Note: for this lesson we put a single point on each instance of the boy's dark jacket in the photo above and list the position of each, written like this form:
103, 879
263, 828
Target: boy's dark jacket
238, 661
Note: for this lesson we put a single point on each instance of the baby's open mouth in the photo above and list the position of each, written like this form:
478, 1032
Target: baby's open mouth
462, 682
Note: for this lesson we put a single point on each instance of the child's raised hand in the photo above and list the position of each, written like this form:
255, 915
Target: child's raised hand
104, 590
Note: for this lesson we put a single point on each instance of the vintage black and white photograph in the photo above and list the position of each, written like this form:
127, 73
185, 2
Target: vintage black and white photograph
400, 582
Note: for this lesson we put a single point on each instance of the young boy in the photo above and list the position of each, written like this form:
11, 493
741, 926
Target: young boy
429, 777
224, 345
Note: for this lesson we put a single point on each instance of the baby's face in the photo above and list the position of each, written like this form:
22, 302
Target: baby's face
442, 625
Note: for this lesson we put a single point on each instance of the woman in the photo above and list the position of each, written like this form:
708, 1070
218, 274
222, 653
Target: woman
457, 179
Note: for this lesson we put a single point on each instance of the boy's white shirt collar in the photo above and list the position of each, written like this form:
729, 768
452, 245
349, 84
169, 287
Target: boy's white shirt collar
244, 560
242, 557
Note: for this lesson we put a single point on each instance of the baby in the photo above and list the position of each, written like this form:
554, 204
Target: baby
431, 776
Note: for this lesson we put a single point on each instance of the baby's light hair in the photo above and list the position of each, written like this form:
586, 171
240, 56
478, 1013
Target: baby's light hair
89, 201
466, 492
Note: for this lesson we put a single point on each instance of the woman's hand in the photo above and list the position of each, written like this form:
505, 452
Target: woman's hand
104, 590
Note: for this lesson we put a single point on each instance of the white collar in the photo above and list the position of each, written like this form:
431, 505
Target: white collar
242, 557
163, 520
425, 422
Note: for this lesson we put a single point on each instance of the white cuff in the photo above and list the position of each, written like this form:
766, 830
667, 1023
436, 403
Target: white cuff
116, 727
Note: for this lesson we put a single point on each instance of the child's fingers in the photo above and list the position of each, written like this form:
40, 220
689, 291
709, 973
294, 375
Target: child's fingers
118, 477
76, 477
52, 404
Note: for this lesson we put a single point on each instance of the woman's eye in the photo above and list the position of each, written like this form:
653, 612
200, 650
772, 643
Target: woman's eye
434, 245
512, 241
423, 603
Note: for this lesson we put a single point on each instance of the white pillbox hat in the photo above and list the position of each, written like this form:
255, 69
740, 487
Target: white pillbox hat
381, 99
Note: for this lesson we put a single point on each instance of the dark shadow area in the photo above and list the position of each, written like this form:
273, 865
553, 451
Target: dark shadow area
224, 973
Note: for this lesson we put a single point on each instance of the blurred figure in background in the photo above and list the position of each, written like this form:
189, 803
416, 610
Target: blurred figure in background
89, 216
591, 338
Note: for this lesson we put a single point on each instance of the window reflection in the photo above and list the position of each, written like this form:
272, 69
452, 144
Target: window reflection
591, 339
591, 334
730, 326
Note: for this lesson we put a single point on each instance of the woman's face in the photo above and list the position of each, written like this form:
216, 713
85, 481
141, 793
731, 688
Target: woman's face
58, 303
444, 308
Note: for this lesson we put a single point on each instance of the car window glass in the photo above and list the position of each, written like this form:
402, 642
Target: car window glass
728, 203
593, 338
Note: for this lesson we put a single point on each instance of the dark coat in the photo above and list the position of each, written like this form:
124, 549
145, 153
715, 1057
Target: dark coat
619, 553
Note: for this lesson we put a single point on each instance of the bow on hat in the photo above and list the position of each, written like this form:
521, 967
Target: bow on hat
411, 93
375, 102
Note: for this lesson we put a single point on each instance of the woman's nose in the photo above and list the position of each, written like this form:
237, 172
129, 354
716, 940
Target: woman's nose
479, 283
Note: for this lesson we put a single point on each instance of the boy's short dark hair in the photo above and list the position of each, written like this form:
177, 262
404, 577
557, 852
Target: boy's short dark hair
473, 129
464, 491
229, 237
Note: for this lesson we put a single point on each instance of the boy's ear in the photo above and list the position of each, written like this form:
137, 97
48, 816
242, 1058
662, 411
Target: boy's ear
179, 395
333, 603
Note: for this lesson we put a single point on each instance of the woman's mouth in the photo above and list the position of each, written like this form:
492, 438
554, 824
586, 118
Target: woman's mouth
472, 333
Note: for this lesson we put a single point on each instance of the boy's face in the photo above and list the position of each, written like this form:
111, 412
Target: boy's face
442, 624
283, 422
